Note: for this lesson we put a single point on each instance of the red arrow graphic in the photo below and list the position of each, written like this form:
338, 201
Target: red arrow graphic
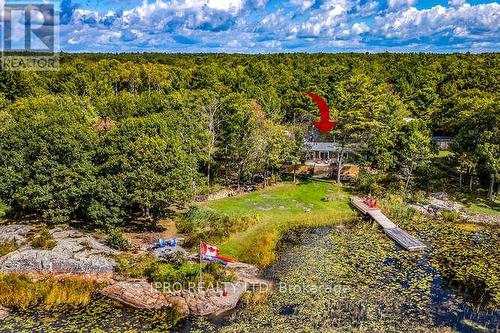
324, 124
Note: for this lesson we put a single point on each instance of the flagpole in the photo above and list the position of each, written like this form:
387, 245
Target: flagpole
201, 269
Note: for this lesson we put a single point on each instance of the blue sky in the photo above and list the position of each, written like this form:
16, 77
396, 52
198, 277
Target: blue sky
269, 26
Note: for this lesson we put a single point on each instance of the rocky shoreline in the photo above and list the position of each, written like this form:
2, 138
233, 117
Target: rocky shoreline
82, 255
75, 253
4, 313
141, 294
441, 202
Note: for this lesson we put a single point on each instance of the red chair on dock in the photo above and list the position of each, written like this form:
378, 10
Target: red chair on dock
370, 202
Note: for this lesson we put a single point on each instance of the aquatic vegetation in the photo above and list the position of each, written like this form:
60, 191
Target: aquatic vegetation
99, 315
254, 298
341, 281
22, 292
476, 326
469, 258
349, 280
263, 248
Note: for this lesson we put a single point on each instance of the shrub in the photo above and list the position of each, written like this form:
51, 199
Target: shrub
117, 241
368, 183
397, 209
188, 273
450, 216
21, 292
201, 224
105, 212
419, 196
168, 273
135, 266
44, 240
165, 273
7, 247
4, 209
396, 186
218, 273
122, 265
263, 253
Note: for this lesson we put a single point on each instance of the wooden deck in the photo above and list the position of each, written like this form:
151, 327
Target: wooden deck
405, 240
359, 204
398, 235
382, 219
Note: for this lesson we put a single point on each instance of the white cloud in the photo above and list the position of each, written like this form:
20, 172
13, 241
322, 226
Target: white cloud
303, 4
86, 16
456, 3
326, 20
2, 4
461, 32
392, 4
161, 15
414, 23
345, 43
234, 43
359, 28
367, 9
220, 4
248, 25
271, 44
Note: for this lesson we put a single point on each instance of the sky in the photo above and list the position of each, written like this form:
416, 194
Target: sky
271, 26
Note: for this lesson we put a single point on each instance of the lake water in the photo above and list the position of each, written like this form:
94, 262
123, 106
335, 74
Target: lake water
355, 279
327, 279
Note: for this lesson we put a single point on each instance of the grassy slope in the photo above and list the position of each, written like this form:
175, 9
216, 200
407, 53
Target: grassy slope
281, 208
483, 208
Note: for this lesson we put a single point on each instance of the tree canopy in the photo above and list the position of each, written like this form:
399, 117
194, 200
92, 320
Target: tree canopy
111, 135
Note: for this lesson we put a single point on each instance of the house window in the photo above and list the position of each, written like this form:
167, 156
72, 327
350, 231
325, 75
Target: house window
323, 155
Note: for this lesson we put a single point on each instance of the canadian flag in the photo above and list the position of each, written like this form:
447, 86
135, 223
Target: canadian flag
211, 253
209, 250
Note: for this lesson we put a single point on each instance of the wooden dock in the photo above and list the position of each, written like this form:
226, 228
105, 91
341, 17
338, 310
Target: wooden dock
398, 235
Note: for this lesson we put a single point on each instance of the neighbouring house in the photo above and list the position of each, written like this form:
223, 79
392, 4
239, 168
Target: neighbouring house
442, 141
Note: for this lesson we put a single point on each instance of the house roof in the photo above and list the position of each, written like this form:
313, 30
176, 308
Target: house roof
320, 146
441, 138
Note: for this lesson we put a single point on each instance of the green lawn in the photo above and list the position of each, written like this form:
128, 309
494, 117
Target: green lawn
483, 208
280, 208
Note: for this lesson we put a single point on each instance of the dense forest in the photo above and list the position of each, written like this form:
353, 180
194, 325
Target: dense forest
108, 136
